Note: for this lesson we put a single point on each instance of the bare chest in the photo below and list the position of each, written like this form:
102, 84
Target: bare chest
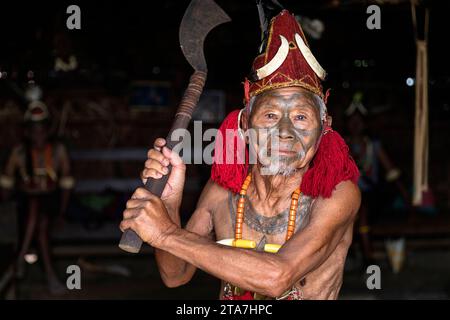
257, 227
321, 283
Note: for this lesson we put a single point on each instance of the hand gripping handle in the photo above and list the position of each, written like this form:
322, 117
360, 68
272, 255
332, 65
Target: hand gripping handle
130, 241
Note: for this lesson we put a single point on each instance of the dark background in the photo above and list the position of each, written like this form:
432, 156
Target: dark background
123, 42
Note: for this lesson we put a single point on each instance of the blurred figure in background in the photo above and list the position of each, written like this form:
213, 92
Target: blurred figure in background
370, 158
42, 171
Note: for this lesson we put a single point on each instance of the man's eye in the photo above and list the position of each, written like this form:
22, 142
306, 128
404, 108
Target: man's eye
300, 117
271, 116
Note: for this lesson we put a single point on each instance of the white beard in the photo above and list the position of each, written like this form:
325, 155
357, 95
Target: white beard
277, 168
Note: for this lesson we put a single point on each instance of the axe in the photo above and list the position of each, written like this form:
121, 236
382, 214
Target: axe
200, 18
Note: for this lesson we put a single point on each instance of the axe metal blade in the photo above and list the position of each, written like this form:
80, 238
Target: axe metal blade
200, 18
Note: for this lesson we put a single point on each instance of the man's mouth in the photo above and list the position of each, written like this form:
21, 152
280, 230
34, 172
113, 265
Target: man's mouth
285, 152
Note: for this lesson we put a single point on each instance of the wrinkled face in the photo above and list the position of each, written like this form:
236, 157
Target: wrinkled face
288, 126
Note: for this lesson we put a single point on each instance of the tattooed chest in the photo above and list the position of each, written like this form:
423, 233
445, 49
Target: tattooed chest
261, 228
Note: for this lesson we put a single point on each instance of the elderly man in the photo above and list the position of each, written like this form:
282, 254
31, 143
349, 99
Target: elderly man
296, 203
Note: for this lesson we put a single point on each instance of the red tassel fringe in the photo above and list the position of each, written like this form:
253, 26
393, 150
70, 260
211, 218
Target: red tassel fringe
229, 176
331, 165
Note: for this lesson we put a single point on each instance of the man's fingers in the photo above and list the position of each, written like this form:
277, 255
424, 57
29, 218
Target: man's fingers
151, 173
132, 212
156, 155
174, 158
127, 224
153, 164
159, 143
143, 194
134, 203
143, 178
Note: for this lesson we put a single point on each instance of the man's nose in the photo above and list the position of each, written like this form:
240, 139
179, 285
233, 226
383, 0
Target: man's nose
285, 127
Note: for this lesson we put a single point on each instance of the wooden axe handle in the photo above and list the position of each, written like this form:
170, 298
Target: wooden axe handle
130, 241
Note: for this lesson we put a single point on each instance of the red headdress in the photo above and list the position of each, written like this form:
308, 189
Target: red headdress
286, 62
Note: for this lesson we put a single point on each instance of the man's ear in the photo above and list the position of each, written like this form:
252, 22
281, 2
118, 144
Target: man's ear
244, 121
244, 124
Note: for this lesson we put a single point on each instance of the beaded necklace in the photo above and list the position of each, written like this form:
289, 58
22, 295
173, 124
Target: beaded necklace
232, 292
241, 209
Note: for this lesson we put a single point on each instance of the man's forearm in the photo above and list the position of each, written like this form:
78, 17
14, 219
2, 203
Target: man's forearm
172, 269
256, 271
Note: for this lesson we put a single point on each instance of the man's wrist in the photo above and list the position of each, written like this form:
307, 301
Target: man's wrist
168, 235
174, 214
